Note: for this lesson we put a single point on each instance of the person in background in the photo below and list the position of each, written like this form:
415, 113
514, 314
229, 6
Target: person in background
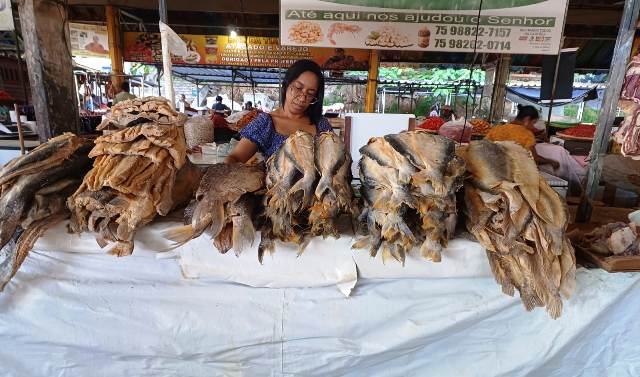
301, 110
434, 111
447, 113
123, 94
220, 108
183, 104
248, 106
551, 158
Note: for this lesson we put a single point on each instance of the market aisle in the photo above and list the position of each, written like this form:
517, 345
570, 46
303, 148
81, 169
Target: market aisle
74, 315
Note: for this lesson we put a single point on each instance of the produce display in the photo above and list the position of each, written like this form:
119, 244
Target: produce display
480, 126
585, 131
521, 221
308, 187
141, 110
34, 190
432, 124
241, 119
409, 181
628, 135
138, 172
613, 239
224, 206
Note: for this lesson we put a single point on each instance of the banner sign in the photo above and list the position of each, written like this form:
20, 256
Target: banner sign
504, 26
89, 40
6, 16
227, 51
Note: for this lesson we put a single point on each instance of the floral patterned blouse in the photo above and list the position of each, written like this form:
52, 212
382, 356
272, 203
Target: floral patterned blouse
262, 132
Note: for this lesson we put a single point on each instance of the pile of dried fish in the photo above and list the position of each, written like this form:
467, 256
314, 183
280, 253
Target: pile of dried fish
409, 181
224, 206
521, 221
620, 239
141, 110
34, 190
308, 188
138, 172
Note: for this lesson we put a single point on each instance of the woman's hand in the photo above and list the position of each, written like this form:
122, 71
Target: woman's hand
242, 152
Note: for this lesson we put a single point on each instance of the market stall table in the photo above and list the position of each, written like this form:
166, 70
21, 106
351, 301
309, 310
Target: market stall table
73, 313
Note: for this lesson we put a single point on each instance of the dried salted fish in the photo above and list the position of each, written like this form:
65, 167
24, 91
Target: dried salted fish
521, 222
409, 181
139, 172
308, 188
218, 203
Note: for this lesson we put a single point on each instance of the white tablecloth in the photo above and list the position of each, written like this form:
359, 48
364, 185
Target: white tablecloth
80, 314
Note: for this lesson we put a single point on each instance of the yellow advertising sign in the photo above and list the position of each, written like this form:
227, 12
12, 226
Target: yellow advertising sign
227, 51
89, 40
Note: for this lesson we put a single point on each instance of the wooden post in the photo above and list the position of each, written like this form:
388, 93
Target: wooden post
19, 125
372, 82
500, 88
115, 45
609, 107
46, 42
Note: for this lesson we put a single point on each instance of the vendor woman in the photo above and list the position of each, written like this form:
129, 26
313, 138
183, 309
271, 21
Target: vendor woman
553, 159
301, 110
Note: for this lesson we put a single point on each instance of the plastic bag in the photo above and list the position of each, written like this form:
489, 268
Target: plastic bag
457, 130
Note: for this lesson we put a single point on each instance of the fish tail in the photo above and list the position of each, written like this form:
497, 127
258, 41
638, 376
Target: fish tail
266, 244
324, 185
122, 249
429, 252
243, 235
217, 217
554, 307
180, 235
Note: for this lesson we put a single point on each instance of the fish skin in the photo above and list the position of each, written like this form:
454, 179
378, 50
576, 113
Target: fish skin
374, 176
384, 154
300, 149
330, 155
430, 154
52, 152
14, 253
488, 164
14, 202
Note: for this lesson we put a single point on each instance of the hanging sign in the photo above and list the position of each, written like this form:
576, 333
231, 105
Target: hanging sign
6, 16
89, 40
504, 26
242, 51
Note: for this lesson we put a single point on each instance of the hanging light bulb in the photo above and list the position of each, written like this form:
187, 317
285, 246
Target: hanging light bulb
233, 34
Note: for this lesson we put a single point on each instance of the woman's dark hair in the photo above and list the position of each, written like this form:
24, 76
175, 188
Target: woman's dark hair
314, 112
527, 112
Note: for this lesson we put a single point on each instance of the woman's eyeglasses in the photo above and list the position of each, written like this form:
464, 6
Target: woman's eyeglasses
298, 93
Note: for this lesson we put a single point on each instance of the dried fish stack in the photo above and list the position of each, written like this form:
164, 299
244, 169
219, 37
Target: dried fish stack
308, 188
333, 195
138, 173
409, 181
34, 190
223, 206
141, 110
521, 221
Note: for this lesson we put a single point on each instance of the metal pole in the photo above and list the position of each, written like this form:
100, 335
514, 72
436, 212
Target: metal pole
166, 55
19, 57
555, 79
609, 106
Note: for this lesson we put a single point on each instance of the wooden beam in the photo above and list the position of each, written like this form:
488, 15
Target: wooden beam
115, 45
48, 56
372, 83
496, 112
609, 107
